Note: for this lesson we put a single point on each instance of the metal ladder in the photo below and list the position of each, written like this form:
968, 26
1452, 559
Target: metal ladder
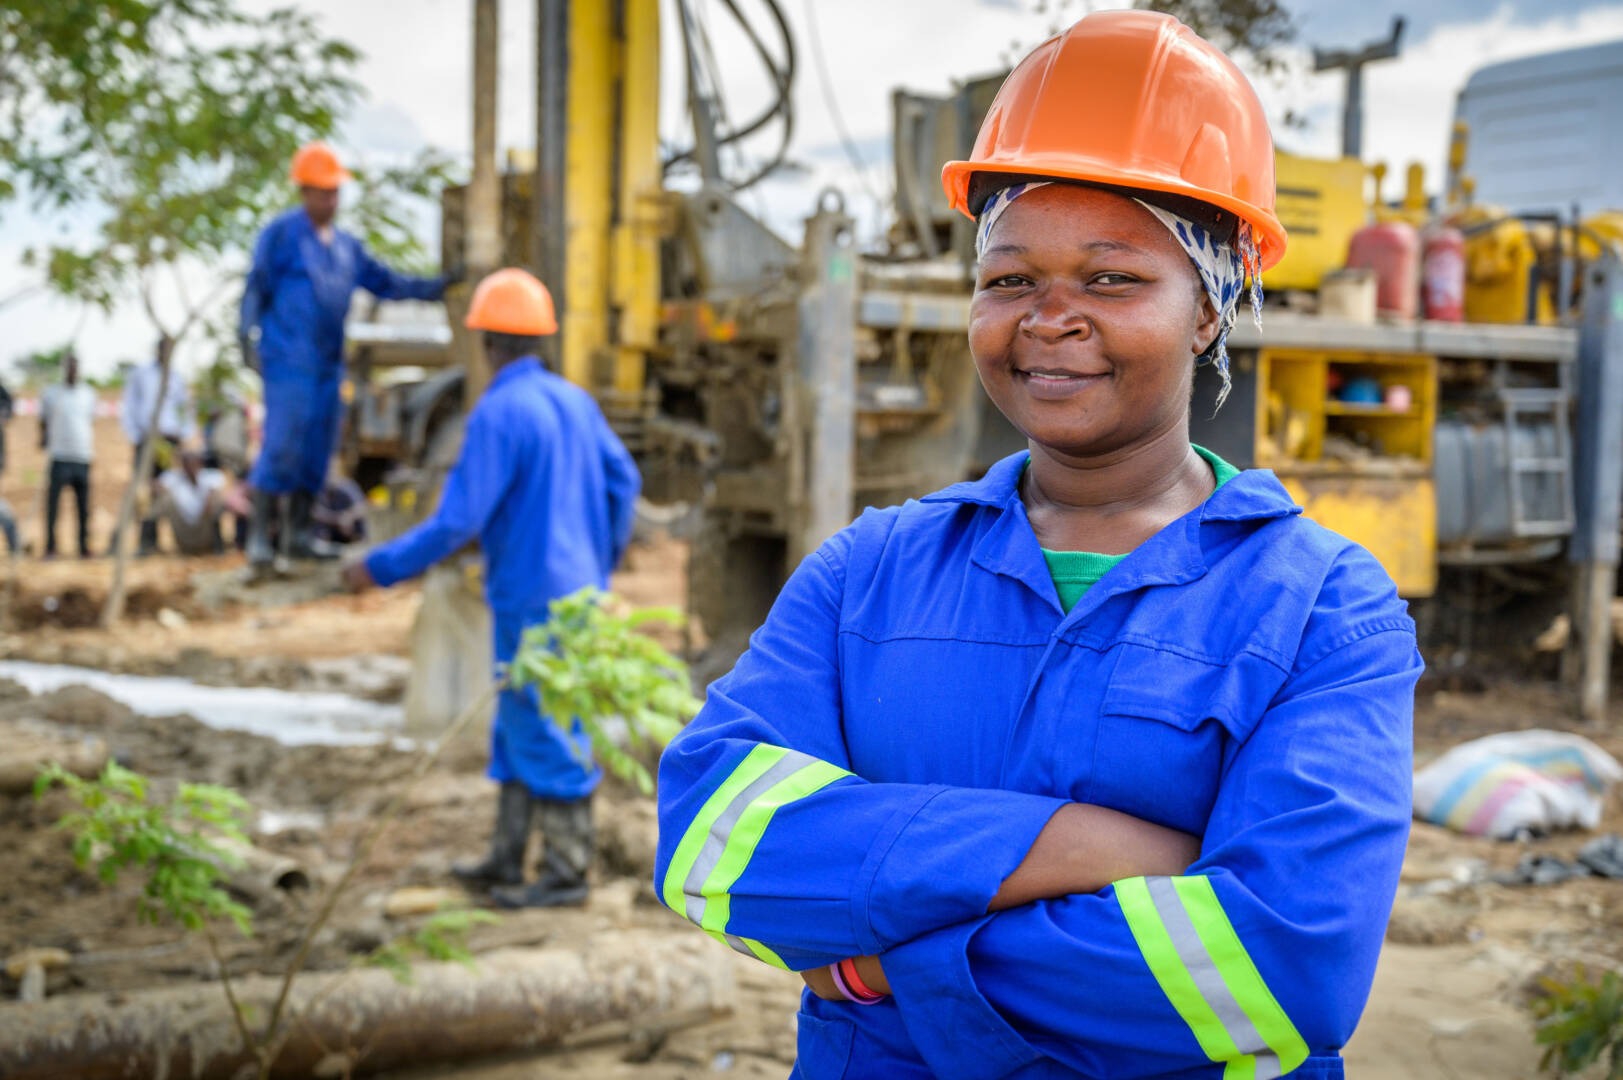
1553, 404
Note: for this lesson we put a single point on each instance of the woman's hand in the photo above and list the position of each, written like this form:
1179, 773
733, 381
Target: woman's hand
821, 983
869, 970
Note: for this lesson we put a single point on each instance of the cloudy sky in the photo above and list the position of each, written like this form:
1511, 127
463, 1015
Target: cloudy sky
416, 77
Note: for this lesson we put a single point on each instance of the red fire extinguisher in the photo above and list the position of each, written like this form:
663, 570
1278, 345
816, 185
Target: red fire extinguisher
1392, 250
1442, 273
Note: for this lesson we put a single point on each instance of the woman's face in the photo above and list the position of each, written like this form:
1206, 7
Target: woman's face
1086, 320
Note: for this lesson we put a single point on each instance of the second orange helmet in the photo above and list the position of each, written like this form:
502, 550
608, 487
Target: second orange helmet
512, 301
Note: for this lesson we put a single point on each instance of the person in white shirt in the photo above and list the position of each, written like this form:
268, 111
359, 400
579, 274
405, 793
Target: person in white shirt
175, 424
67, 417
192, 499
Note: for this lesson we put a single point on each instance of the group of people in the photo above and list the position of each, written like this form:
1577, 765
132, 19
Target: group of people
190, 486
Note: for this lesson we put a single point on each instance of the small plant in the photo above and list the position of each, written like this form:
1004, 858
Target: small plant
590, 660
443, 937
176, 844
184, 849
1579, 1022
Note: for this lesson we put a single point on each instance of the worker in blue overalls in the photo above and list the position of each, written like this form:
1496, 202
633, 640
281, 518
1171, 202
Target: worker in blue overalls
297, 297
550, 493
1099, 765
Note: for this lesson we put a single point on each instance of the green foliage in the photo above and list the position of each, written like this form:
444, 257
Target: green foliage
44, 365
381, 214
442, 937
1256, 29
175, 844
1579, 1022
591, 662
174, 120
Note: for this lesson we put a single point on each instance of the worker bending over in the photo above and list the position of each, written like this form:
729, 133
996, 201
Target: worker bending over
1098, 766
305, 270
550, 493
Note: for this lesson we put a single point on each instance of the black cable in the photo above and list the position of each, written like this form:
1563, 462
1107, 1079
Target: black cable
782, 78
833, 105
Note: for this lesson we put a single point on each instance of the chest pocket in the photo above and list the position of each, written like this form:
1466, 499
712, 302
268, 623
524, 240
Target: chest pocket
1166, 724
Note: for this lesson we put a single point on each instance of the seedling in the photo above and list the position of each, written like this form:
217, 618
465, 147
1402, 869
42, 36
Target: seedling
1579, 1022
590, 660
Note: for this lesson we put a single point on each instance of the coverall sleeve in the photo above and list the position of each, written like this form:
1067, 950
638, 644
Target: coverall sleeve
472, 492
1261, 956
770, 843
257, 290
623, 485
386, 284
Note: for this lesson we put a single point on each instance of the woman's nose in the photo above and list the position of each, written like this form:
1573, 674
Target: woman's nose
1057, 313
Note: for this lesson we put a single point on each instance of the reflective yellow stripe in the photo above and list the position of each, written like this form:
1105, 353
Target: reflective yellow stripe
1198, 961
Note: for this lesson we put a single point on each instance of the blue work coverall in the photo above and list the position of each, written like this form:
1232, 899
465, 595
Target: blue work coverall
298, 294
918, 705
550, 492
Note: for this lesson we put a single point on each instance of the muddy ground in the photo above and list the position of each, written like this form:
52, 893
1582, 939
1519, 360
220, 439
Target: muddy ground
1449, 1000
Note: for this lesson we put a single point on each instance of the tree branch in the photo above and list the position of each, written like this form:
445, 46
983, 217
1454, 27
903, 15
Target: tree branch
363, 849
248, 1044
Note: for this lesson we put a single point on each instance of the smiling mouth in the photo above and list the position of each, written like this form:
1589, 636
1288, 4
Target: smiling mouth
1053, 383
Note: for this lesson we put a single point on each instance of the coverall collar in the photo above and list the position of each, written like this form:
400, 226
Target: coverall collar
1009, 547
524, 365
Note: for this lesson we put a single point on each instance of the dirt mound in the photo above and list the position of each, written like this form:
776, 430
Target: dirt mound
78, 607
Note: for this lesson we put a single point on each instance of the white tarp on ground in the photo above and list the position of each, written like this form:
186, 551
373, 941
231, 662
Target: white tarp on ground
1504, 784
291, 718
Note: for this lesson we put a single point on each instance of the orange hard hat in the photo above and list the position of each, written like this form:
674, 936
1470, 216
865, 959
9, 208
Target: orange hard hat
316, 165
512, 301
1133, 99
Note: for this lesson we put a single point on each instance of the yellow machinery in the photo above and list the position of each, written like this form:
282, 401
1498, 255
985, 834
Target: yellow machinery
1321, 204
1362, 470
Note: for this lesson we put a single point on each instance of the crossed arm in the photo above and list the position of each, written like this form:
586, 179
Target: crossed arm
1082, 849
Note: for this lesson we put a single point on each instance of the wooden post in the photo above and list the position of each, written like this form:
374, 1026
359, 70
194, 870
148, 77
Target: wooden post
1598, 483
484, 233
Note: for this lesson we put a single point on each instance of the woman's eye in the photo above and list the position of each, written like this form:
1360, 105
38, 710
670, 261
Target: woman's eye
1114, 279
1007, 281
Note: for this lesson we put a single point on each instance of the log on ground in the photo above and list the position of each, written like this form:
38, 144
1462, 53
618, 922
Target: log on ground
513, 999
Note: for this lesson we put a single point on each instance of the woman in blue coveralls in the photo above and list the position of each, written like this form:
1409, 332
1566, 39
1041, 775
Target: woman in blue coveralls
1098, 766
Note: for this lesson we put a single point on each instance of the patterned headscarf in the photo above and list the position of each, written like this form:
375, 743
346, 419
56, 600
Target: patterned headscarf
1223, 267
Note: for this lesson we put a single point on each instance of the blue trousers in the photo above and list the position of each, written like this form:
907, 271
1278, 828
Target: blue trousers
302, 418
527, 746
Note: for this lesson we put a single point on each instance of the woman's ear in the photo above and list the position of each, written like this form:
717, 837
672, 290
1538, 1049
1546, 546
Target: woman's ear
1206, 327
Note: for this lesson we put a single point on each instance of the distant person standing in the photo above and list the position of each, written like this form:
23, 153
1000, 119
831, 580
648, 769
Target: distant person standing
8, 517
305, 270
175, 425
67, 419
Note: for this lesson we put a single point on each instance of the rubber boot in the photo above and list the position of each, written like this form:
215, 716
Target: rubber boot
261, 557
505, 863
306, 544
565, 858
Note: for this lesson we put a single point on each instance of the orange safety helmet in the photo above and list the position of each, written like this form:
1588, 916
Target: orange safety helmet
1134, 99
512, 301
316, 165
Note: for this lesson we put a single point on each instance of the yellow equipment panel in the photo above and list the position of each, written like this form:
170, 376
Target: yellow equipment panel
1321, 204
1395, 518
1361, 470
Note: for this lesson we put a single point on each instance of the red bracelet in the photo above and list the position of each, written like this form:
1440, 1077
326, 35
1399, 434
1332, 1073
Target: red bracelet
859, 989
